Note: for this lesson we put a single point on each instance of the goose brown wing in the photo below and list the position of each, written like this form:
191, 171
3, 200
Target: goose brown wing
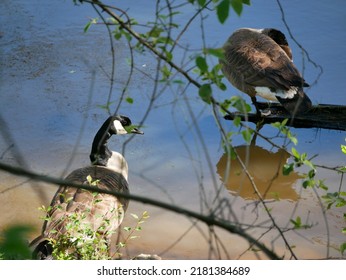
256, 60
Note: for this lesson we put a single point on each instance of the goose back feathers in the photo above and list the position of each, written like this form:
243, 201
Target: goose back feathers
70, 200
96, 209
259, 62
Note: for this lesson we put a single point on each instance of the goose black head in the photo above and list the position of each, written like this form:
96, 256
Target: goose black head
121, 125
279, 38
100, 154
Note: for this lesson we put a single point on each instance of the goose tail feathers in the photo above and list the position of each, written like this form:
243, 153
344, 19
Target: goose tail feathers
298, 104
42, 249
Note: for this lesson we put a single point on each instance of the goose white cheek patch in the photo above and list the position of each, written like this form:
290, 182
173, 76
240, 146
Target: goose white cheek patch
119, 127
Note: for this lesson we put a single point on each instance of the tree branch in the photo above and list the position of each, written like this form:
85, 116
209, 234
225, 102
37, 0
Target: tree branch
138, 37
326, 116
208, 220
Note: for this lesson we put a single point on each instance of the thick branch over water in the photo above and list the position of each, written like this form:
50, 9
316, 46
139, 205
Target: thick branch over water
326, 116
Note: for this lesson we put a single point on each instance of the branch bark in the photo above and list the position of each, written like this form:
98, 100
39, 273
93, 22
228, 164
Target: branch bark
325, 116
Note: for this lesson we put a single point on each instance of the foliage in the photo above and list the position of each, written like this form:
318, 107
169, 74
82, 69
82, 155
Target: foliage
131, 232
297, 223
13, 243
337, 199
79, 240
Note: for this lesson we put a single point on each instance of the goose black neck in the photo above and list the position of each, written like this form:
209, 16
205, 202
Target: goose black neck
99, 151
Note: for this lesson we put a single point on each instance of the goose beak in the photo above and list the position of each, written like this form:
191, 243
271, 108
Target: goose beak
136, 131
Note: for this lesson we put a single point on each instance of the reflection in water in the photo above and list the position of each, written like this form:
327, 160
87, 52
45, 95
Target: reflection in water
265, 167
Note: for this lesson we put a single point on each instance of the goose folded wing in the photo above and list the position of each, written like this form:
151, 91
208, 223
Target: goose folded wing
262, 63
269, 66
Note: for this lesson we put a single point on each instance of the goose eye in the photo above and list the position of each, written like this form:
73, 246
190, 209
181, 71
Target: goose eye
125, 121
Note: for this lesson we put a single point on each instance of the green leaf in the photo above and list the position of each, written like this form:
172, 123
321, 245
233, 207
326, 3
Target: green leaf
133, 237
106, 106
311, 173
145, 215
134, 216
205, 92
342, 169
179, 82
247, 135
297, 223
201, 2
295, 153
217, 52
237, 121
166, 73
202, 64
293, 139
88, 25
322, 185
240, 104
334, 198
237, 6
127, 228
222, 10
287, 169
230, 151
89, 179
138, 228
129, 100
308, 162
13, 242
308, 183
343, 248
155, 32
169, 55
343, 149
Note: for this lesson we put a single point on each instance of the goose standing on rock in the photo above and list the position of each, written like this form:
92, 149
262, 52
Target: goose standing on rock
103, 213
259, 62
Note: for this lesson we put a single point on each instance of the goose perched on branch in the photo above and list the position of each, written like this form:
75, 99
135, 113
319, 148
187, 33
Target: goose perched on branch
259, 62
75, 212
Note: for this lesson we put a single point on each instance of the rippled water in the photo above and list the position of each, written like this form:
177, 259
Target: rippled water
54, 79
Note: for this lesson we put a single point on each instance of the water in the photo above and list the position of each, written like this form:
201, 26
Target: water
54, 77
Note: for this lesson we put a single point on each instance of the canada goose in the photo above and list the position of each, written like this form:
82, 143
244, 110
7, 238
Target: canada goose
259, 62
104, 212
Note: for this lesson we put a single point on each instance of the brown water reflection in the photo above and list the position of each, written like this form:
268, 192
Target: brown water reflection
265, 167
